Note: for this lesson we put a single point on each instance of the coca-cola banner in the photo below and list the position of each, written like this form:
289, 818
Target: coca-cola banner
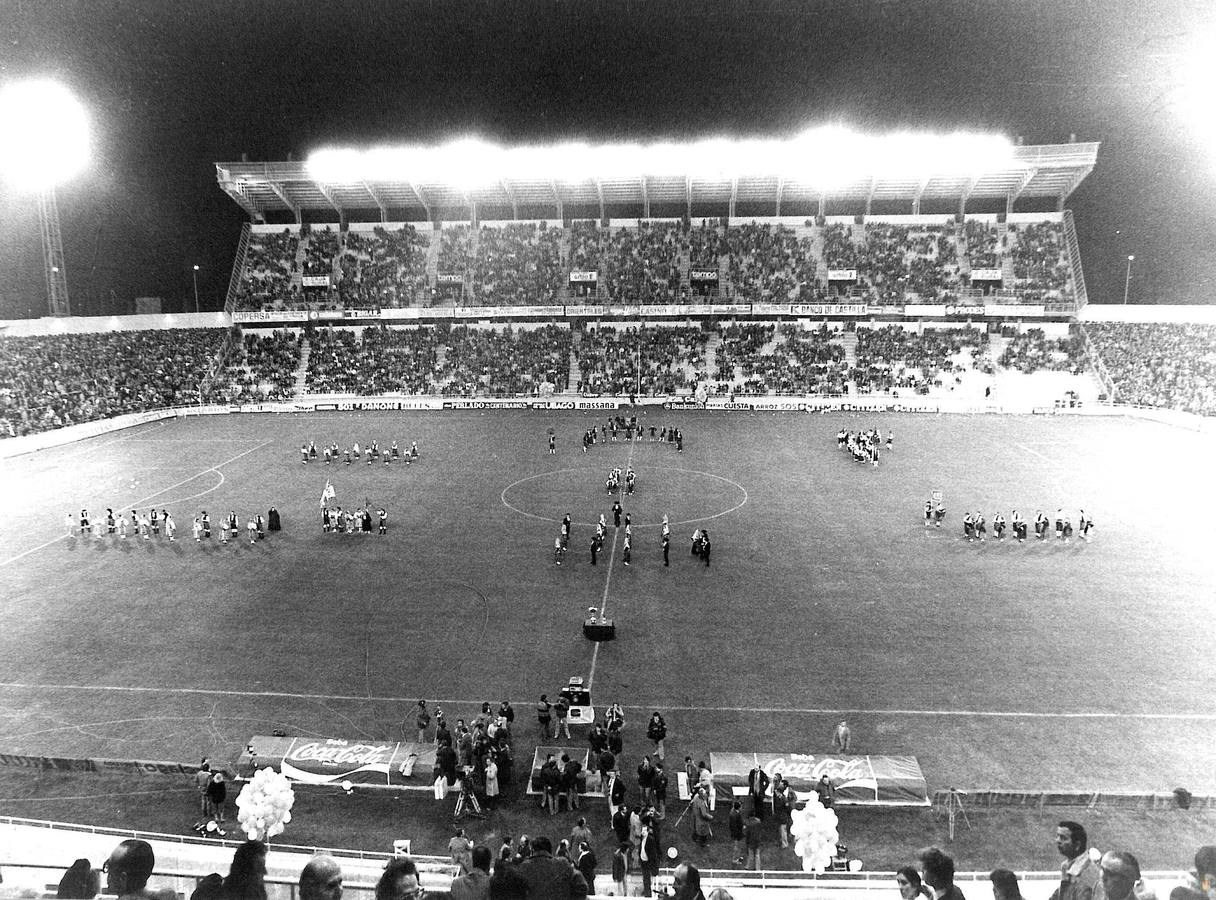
332, 761
859, 780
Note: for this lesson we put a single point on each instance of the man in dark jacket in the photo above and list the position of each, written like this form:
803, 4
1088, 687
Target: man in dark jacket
757, 784
585, 862
549, 878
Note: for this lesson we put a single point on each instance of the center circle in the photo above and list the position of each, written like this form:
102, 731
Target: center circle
685, 496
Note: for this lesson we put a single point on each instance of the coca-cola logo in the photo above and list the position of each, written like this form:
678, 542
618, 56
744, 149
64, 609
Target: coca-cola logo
811, 768
340, 753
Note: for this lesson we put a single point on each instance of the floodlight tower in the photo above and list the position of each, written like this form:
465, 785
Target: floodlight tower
58, 303
45, 141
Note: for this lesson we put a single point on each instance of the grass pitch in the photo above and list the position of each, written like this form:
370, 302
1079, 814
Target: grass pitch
1035, 666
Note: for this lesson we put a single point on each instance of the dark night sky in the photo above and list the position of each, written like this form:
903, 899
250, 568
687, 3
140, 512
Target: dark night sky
174, 87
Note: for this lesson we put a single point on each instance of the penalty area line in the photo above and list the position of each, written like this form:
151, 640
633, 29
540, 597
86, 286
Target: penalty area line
763, 710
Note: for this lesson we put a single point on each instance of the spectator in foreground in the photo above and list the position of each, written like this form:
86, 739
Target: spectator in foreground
399, 880
1201, 882
937, 871
476, 884
508, 884
128, 870
79, 882
549, 878
910, 885
246, 877
1004, 885
321, 879
1121, 877
1078, 874
687, 882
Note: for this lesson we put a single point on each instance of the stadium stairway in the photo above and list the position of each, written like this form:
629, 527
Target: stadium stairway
575, 374
297, 276
432, 262
960, 250
301, 384
711, 353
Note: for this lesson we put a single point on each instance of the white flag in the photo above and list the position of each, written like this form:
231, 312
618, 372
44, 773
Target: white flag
329, 493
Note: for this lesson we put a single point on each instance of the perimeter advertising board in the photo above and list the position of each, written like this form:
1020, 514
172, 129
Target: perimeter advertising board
859, 780
310, 760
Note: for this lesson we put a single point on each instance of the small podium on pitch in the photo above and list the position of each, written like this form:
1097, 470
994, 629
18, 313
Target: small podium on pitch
597, 628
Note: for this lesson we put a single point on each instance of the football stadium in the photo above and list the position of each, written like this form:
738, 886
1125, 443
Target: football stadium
751, 516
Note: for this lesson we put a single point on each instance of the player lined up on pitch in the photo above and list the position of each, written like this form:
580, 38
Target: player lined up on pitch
149, 525
373, 452
975, 526
622, 521
628, 429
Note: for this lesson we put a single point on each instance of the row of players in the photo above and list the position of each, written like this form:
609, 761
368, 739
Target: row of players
150, 523
357, 522
976, 528
702, 547
354, 453
632, 431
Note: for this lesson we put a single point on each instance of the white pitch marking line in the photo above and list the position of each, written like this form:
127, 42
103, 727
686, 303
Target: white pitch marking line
595, 653
1047, 459
141, 502
763, 710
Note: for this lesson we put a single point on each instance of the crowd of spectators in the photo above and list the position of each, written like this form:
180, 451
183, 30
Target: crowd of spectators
52, 381
526, 264
642, 265
649, 360
891, 358
839, 250
1031, 351
1172, 366
770, 263
383, 268
511, 362
1040, 261
379, 361
263, 368
320, 249
441, 359
518, 264
740, 354
899, 260
270, 263
983, 245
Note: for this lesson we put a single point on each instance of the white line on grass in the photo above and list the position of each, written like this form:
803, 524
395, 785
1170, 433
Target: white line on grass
595, 653
141, 502
1038, 454
762, 710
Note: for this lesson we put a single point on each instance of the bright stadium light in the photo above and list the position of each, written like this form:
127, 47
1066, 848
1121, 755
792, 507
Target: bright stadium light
828, 157
45, 135
1196, 82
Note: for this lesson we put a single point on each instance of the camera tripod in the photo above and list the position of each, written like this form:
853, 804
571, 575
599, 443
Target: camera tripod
953, 806
467, 805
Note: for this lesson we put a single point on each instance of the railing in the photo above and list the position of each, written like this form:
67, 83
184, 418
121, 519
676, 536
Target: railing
1095, 363
238, 269
1074, 256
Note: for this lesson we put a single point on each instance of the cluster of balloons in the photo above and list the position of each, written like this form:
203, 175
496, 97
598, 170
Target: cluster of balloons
264, 805
815, 835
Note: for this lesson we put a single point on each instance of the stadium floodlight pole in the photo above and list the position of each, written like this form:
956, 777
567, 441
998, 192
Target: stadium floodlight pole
195, 276
1127, 282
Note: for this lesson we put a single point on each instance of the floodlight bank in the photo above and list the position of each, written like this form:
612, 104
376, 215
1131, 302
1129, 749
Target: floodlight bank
825, 157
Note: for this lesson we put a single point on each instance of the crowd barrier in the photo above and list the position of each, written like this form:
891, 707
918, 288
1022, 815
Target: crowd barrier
35, 854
